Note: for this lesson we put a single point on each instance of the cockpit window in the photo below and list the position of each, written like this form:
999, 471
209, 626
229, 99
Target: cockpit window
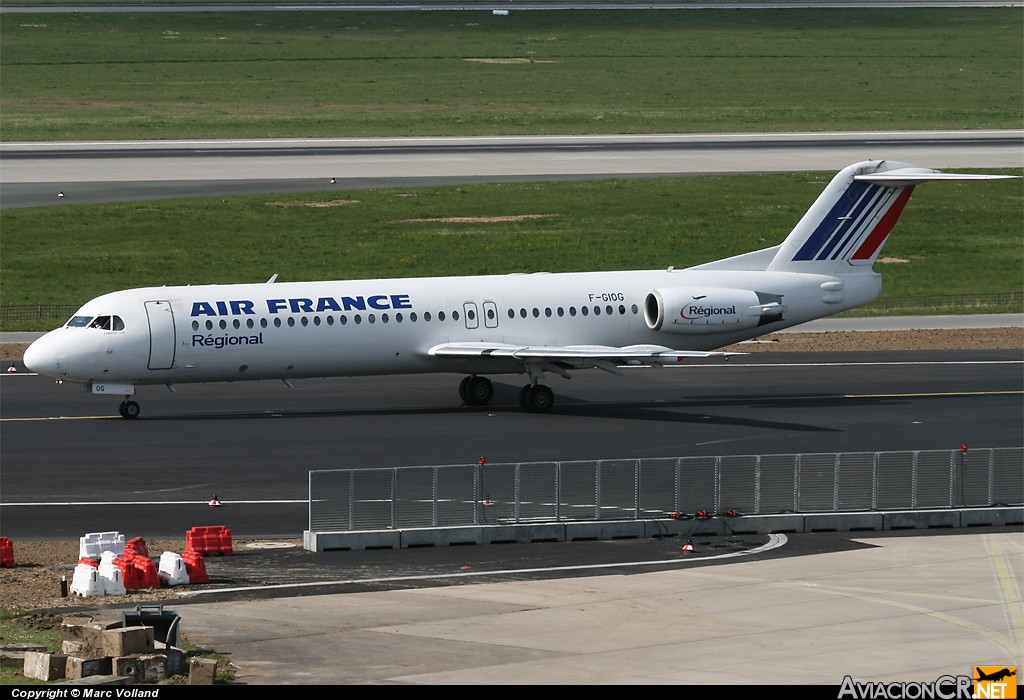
108, 323
79, 321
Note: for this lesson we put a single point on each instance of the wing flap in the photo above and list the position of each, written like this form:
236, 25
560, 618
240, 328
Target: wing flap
631, 354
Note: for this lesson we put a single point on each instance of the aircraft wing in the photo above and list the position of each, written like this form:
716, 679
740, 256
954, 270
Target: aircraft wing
573, 355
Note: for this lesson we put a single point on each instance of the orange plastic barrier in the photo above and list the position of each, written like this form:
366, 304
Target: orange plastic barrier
6, 553
137, 571
137, 545
209, 540
195, 567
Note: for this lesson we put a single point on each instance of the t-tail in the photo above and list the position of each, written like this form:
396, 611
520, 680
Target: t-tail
850, 221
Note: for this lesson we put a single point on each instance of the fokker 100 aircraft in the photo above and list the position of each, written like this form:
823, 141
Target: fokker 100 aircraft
529, 324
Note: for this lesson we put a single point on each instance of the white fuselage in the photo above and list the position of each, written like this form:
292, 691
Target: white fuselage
375, 327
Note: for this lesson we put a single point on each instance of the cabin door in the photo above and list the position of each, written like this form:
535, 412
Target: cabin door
161, 334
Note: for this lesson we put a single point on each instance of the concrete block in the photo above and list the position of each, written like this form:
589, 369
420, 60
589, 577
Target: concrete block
44, 666
177, 661
370, 539
99, 680
201, 671
497, 534
73, 648
142, 668
83, 636
995, 517
126, 641
603, 530
78, 667
920, 519
843, 522
440, 536
13, 655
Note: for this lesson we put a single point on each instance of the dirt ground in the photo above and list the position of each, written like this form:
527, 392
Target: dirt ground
34, 581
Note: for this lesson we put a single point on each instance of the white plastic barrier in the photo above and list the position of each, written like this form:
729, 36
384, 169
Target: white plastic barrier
110, 575
86, 581
171, 569
95, 543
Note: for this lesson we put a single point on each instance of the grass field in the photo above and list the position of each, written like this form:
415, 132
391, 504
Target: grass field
106, 76
251, 74
953, 237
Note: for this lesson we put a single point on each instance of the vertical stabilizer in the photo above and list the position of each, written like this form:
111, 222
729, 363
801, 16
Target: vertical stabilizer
847, 225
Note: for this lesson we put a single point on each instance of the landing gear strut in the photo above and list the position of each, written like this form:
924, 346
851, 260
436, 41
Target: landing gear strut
129, 409
476, 391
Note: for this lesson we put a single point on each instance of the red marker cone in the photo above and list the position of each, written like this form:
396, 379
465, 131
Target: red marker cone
688, 547
215, 503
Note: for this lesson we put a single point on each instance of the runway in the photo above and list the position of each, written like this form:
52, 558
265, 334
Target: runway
253, 444
89, 173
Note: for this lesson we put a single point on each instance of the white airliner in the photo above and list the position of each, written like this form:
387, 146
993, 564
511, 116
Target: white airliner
528, 324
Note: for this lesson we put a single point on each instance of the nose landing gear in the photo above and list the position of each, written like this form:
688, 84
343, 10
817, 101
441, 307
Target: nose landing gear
129, 409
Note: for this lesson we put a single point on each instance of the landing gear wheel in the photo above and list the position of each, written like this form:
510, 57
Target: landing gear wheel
130, 410
476, 391
536, 398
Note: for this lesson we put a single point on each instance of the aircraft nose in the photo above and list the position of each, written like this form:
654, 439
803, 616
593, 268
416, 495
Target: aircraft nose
43, 356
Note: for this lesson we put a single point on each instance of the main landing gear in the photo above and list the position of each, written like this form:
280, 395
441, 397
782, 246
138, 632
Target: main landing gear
478, 391
129, 409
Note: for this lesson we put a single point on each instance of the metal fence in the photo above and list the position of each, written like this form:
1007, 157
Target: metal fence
345, 500
35, 312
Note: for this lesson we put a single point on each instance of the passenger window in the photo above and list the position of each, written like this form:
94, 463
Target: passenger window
316, 320
209, 325
455, 315
236, 323
561, 312
291, 321
304, 321
343, 320
330, 320
371, 318
511, 313
412, 317
358, 319
223, 324
522, 313
249, 322
572, 310
195, 325
440, 315
263, 323
384, 318
277, 322
547, 312
398, 318
426, 315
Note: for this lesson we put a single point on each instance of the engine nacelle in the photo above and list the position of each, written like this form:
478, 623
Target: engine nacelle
710, 309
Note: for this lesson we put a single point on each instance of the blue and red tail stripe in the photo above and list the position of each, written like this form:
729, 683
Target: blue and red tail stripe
857, 224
